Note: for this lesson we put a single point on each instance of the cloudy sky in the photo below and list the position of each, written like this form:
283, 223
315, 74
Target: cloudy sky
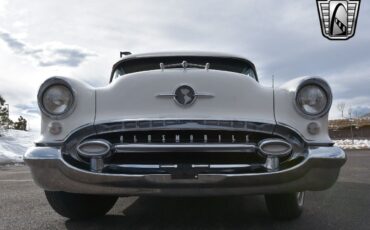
82, 39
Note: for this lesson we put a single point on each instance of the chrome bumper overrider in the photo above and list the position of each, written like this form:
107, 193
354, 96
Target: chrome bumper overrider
318, 171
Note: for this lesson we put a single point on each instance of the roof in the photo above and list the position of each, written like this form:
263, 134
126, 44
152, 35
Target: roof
182, 53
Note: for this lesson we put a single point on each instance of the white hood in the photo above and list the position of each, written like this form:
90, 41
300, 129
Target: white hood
135, 96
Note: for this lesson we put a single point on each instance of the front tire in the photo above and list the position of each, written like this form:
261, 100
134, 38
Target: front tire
285, 206
80, 206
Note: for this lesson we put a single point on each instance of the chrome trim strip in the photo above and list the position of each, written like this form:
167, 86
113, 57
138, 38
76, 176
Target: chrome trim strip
146, 166
139, 166
157, 166
148, 148
221, 166
168, 166
184, 124
200, 166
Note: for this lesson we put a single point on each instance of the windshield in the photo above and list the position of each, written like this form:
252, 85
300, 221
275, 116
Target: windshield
153, 63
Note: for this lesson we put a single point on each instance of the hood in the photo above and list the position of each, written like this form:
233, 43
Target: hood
147, 95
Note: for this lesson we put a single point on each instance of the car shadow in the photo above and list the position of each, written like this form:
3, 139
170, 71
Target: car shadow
183, 213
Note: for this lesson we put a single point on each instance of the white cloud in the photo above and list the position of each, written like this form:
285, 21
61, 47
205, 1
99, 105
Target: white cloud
3, 4
48, 54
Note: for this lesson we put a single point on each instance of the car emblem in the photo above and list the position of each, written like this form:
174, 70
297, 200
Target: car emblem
185, 95
338, 18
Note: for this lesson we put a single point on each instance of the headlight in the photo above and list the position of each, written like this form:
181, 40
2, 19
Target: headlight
56, 98
313, 98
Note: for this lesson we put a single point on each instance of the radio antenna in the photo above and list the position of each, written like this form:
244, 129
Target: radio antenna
273, 95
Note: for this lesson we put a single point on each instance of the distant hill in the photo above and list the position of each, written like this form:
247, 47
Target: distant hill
366, 115
343, 123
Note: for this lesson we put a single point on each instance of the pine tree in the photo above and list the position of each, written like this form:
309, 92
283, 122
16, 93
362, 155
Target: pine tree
21, 124
6, 122
4, 114
2, 101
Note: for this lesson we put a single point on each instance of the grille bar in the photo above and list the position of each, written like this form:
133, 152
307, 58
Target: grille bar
184, 125
178, 137
147, 148
157, 166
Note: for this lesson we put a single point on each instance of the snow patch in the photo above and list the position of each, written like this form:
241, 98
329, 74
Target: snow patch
356, 144
14, 143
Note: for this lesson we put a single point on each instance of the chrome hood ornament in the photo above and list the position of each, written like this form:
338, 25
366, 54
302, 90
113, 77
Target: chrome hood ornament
184, 65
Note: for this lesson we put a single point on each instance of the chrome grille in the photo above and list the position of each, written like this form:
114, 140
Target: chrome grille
184, 125
183, 137
180, 142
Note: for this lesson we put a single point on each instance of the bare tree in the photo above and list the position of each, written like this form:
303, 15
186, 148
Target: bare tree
350, 114
341, 106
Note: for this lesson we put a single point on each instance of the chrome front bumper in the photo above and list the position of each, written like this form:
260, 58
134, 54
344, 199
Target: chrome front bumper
318, 171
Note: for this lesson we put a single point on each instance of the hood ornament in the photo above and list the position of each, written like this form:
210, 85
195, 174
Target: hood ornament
184, 65
185, 95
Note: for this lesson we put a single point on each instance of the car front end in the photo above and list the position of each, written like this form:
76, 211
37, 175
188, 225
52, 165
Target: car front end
185, 129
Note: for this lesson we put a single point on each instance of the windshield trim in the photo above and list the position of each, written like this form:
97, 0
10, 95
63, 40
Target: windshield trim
117, 64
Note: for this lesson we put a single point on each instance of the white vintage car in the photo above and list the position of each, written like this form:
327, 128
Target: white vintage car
183, 124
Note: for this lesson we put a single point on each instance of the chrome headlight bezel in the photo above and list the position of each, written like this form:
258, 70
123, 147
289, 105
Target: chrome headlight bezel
54, 82
324, 86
